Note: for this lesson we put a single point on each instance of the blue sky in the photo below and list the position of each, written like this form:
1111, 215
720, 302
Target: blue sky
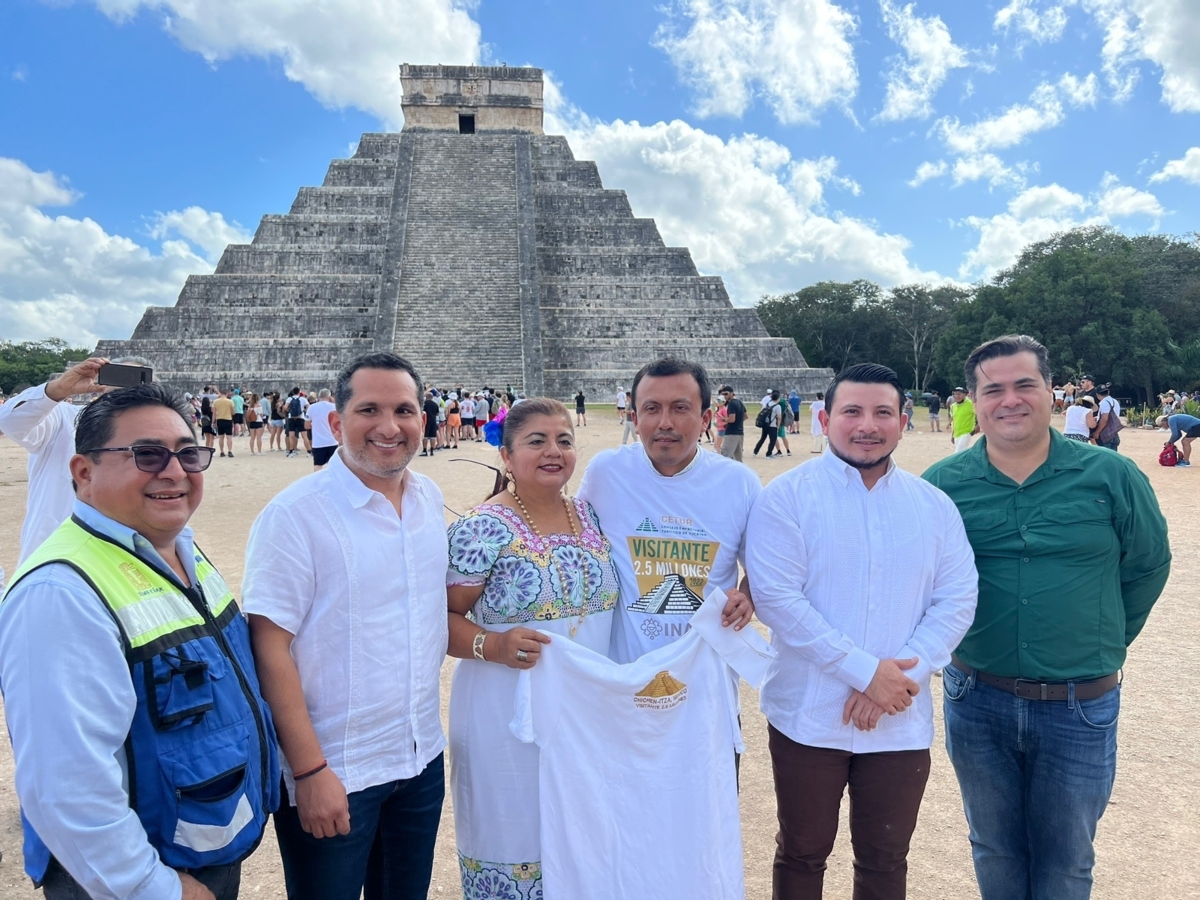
783, 141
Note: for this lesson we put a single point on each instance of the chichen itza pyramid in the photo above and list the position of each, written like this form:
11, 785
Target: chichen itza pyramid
476, 246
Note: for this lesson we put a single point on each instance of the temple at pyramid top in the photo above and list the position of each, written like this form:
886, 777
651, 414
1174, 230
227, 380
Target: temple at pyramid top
476, 246
472, 99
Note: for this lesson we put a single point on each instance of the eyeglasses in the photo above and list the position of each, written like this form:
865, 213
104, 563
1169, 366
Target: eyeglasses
155, 459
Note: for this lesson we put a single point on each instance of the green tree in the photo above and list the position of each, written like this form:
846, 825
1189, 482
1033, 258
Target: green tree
32, 362
921, 314
833, 323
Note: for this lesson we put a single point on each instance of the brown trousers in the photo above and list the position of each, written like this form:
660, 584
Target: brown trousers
885, 794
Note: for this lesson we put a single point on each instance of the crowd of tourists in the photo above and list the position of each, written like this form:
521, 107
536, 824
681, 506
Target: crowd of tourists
594, 725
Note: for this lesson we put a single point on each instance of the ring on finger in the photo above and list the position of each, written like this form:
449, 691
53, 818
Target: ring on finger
522, 656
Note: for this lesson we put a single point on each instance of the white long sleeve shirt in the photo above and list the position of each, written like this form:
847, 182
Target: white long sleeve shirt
46, 429
364, 592
845, 577
70, 702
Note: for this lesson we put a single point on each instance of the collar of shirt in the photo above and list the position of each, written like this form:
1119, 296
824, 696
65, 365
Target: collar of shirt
138, 545
1063, 455
357, 493
650, 465
845, 473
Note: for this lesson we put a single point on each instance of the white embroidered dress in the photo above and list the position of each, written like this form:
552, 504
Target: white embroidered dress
493, 776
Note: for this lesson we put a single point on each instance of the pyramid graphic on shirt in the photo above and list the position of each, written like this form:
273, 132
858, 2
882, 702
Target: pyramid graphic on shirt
670, 597
663, 692
646, 525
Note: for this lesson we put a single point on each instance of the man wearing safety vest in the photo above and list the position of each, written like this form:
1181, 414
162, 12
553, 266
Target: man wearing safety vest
146, 762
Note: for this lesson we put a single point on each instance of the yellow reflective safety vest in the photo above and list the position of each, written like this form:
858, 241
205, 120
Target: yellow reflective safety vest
202, 756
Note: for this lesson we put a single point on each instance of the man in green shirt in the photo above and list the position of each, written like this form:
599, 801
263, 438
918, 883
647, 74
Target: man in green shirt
962, 420
1072, 554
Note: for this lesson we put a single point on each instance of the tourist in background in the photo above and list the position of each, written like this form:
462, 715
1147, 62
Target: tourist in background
963, 426
1080, 420
735, 424
349, 631
254, 424
1183, 427
429, 424
622, 402
323, 442
934, 403
628, 433
1072, 553
785, 423
815, 428
909, 409
294, 408
528, 526
453, 419
207, 427
466, 408
120, 699
1108, 419
794, 403
580, 408
222, 416
239, 413
768, 421
719, 414
277, 421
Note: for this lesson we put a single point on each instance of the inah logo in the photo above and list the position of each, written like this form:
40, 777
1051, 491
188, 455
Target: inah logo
136, 578
646, 525
663, 692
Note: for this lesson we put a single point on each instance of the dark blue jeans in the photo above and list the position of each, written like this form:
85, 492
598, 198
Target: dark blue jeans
388, 854
1035, 777
223, 881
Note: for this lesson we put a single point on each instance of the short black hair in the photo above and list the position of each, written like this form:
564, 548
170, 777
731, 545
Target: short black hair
1006, 345
864, 373
672, 365
381, 360
96, 422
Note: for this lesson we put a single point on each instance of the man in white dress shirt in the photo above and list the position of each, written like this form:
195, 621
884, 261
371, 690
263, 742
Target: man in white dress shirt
866, 579
345, 587
42, 420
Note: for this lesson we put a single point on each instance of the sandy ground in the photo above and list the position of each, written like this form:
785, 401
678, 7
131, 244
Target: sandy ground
1147, 842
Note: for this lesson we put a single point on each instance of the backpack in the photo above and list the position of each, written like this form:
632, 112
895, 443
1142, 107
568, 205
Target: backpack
763, 419
251, 414
789, 417
1111, 427
1169, 456
294, 408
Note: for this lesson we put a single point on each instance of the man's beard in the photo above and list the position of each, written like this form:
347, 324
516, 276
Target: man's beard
859, 464
366, 464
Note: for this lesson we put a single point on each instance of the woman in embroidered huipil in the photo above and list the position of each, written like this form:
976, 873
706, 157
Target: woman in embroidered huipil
528, 560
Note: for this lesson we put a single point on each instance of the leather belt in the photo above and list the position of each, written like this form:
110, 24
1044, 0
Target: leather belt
1042, 690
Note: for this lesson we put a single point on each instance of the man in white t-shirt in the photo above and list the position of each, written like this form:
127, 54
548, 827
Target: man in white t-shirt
864, 575
621, 404
816, 428
676, 516
323, 442
347, 602
1108, 419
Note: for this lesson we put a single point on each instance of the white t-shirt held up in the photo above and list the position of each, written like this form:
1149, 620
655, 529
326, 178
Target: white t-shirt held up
672, 538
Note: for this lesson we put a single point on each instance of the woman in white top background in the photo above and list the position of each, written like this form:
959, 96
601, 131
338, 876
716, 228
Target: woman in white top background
528, 559
1080, 420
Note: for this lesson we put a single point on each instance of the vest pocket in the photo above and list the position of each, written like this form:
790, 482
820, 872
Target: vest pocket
180, 688
210, 783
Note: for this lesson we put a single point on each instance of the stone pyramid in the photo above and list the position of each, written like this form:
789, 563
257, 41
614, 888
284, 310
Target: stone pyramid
476, 246
670, 596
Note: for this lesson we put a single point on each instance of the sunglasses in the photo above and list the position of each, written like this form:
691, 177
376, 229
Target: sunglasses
153, 459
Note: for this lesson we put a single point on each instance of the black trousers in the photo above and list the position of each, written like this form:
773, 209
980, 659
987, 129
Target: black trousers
767, 434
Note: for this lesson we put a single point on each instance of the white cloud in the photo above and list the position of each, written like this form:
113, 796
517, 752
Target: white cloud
929, 56
69, 278
1187, 168
746, 209
927, 171
207, 230
1118, 201
1040, 212
1165, 32
1022, 16
1047, 108
794, 54
346, 53
986, 167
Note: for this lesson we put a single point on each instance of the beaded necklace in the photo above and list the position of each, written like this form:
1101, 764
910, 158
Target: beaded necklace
576, 534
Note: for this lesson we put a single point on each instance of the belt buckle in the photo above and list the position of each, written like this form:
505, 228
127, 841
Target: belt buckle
1043, 687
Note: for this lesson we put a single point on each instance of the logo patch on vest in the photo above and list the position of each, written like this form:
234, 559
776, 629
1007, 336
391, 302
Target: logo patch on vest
139, 581
663, 692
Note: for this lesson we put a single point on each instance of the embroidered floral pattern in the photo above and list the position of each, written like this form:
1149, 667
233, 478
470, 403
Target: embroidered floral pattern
476, 541
523, 584
482, 880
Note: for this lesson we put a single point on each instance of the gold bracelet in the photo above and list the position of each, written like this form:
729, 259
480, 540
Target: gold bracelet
477, 645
